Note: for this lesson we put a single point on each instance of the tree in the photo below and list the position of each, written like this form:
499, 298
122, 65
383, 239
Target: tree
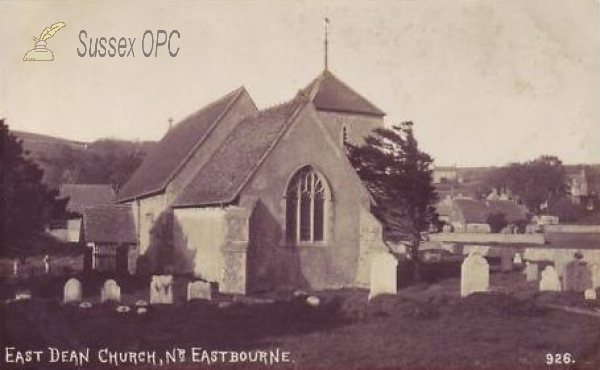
536, 183
399, 177
497, 222
27, 205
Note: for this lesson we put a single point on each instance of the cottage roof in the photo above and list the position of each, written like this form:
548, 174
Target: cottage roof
473, 211
85, 195
109, 224
329, 93
231, 166
175, 149
513, 211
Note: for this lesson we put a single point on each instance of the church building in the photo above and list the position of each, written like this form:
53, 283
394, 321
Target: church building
253, 200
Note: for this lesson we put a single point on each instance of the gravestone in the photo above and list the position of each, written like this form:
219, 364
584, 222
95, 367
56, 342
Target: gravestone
198, 290
474, 275
111, 291
384, 270
594, 271
46, 261
550, 281
506, 261
589, 294
518, 260
531, 271
72, 291
161, 289
576, 277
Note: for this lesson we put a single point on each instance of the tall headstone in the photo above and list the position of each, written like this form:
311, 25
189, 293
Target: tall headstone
46, 261
550, 281
111, 291
72, 291
384, 270
531, 271
161, 289
576, 277
198, 290
594, 271
474, 275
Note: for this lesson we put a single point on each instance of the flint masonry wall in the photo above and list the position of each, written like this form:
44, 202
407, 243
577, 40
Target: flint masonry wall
271, 260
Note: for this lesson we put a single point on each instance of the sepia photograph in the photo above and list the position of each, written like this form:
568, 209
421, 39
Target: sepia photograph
262, 184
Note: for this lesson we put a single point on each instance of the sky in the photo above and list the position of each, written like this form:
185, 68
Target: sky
485, 82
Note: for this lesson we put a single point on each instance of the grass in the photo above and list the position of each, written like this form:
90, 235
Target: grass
426, 326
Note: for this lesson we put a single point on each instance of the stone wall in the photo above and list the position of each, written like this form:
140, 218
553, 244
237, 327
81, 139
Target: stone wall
371, 244
358, 126
204, 233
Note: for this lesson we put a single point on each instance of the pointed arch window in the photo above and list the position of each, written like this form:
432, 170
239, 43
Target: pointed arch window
306, 207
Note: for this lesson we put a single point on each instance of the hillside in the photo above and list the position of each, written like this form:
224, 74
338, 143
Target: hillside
68, 161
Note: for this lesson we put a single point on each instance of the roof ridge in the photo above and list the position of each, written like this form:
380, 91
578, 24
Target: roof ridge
235, 95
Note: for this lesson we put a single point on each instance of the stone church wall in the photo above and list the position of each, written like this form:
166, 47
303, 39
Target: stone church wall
331, 264
358, 126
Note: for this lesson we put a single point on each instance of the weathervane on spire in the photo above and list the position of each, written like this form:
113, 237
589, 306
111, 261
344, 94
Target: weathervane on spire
326, 43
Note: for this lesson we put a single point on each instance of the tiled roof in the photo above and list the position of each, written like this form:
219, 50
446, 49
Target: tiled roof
513, 211
331, 94
477, 211
85, 195
109, 224
175, 148
223, 177
473, 211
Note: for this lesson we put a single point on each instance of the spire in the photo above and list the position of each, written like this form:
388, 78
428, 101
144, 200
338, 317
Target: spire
326, 43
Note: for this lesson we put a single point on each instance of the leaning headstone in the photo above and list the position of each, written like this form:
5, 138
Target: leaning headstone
576, 277
72, 291
550, 281
198, 290
161, 289
531, 271
474, 275
384, 270
111, 291
590, 294
518, 260
594, 271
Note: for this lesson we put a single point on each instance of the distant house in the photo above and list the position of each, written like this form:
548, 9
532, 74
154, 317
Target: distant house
260, 199
80, 197
471, 215
109, 234
443, 175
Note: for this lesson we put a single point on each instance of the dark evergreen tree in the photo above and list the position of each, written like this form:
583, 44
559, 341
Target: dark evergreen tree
27, 205
399, 177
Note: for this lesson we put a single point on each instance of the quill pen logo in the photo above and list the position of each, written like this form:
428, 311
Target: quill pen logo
40, 53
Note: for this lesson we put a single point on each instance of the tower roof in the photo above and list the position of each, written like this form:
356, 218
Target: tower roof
329, 93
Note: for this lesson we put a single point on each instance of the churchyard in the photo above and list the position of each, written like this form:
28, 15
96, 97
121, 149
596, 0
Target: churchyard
512, 315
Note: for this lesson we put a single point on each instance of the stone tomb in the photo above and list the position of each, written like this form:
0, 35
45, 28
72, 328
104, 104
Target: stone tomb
161, 289
576, 277
72, 291
531, 271
111, 291
384, 270
589, 294
474, 275
550, 281
198, 290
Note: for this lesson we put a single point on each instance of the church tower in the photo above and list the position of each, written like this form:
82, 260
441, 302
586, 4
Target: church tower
348, 116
